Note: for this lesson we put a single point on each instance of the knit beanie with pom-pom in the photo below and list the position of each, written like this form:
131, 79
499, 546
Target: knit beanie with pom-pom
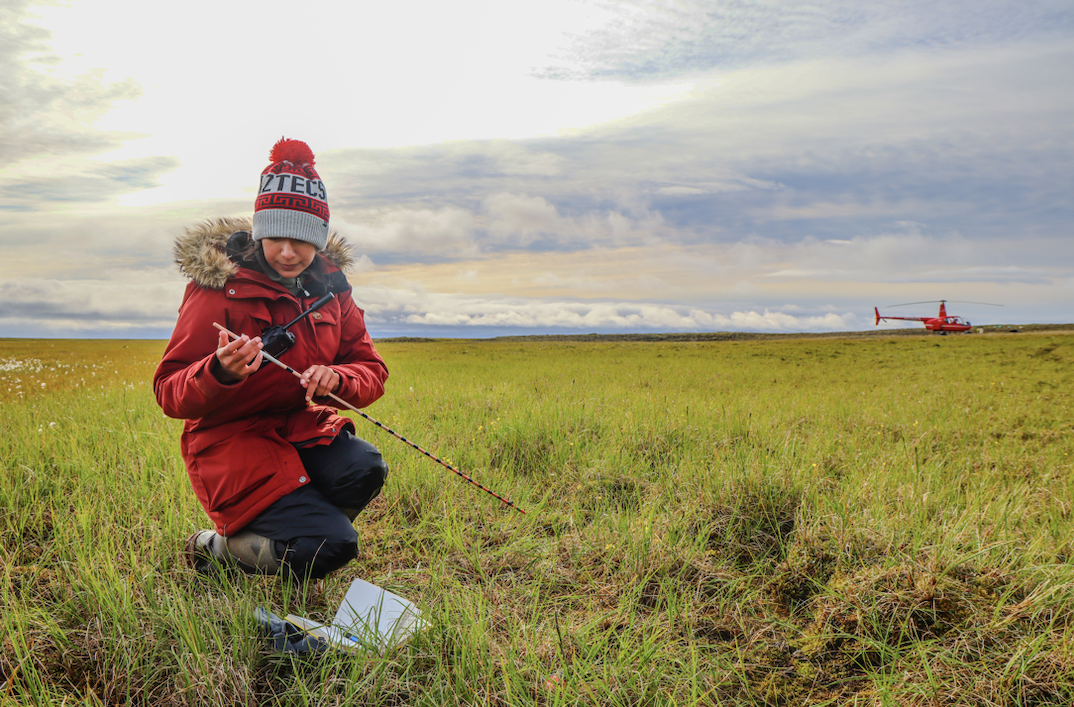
291, 201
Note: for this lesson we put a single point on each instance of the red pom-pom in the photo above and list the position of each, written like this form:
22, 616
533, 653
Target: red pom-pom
293, 151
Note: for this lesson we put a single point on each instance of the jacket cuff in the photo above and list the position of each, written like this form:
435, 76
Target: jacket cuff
207, 384
347, 390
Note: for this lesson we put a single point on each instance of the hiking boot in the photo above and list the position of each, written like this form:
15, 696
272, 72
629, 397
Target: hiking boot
211, 554
198, 553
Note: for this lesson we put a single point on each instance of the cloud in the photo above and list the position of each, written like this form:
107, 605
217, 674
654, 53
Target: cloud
521, 218
648, 39
910, 256
728, 181
823, 148
44, 113
115, 301
49, 129
83, 182
808, 162
82, 241
372, 177
416, 232
388, 310
585, 282
500, 222
527, 221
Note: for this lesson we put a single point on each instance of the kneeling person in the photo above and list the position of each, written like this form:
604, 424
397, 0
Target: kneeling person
278, 471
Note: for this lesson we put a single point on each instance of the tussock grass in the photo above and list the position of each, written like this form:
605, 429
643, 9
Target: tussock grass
883, 521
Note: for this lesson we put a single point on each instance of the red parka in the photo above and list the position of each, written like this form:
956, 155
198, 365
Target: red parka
239, 441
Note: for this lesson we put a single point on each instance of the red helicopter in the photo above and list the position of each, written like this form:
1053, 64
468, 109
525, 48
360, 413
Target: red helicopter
941, 323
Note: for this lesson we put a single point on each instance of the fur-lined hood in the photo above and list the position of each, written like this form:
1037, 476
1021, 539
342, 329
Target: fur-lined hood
201, 251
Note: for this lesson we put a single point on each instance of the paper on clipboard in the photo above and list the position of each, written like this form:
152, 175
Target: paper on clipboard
376, 617
370, 619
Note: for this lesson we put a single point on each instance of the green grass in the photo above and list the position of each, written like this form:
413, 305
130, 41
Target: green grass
873, 521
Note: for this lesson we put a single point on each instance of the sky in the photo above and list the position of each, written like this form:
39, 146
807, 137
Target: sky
553, 167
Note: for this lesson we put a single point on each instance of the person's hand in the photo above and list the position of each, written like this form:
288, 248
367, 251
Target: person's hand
319, 381
238, 358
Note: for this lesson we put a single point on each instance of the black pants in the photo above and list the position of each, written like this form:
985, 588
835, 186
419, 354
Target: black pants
312, 530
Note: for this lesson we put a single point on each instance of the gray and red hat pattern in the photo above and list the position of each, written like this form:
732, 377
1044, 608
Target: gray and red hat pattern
291, 199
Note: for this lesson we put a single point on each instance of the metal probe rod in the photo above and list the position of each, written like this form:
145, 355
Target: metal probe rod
387, 429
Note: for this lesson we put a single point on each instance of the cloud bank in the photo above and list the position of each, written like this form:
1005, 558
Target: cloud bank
811, 163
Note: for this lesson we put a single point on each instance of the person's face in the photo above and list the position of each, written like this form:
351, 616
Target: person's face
288, 257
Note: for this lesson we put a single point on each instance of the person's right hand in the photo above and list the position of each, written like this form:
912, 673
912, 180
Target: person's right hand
238, 358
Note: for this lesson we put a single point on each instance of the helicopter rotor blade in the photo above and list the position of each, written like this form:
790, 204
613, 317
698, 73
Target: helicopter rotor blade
907, 304
944, 301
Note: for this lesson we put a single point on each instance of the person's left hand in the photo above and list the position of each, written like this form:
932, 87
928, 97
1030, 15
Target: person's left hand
319, 381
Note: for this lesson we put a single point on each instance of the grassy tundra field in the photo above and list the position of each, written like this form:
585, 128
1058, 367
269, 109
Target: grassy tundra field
857, 521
